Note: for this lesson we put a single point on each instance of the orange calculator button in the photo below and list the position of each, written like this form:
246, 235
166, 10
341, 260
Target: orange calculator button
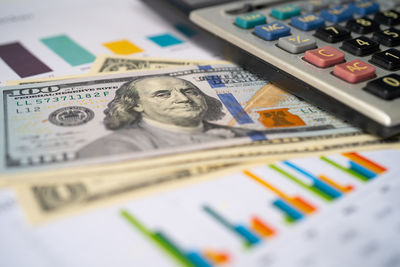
354, 71
324, 56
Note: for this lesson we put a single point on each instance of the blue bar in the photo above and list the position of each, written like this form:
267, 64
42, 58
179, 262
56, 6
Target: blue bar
235, 108
249, 236
286, 208
361, 170
323, 187
165, 40
197, 260
185, 29
327, 189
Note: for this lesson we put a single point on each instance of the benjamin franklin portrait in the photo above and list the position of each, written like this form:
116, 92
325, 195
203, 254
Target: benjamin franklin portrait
159, 112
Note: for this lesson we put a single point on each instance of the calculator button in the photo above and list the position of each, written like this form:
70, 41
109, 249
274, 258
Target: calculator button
364, 7
324, 57
389, 37
250, 20
387, 87
389, 59
286, 12
332, 34
362, 25
354, 71
315, 5
389, 4
360, 46
307, 22
296, 44
337, 14
340, 1
390, 17
272, 31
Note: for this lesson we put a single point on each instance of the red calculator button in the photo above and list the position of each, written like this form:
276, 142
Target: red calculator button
354, 71
324, 57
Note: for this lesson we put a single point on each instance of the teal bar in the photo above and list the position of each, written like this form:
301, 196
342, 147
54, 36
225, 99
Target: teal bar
185, 29
219, 218
68, 50
198, 260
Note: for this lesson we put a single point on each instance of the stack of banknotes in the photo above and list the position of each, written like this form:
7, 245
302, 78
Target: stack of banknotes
163, 162
134, 126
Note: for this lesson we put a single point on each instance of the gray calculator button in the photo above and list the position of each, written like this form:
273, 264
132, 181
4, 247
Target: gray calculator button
315, 5
298, 43
388, 4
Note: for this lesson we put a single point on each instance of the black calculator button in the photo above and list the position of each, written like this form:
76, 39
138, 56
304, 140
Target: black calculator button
390, 17
389, 59
332, 34
362, 25
389, 37
387, 87
360, 46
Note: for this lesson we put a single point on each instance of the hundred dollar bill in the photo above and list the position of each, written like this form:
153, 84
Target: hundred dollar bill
49, 198
145, 114
112, 63
135, 64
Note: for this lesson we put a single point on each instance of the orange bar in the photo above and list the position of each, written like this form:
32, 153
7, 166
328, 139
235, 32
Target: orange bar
261, 228
339, 187
300, 204
217, 257
303, 205
357, 158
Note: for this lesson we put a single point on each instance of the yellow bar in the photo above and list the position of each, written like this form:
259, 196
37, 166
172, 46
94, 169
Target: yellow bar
267, 185
372, 166
123, 47
292, 201
339, 187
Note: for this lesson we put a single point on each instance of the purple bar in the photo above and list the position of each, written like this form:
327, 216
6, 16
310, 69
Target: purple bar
23, 62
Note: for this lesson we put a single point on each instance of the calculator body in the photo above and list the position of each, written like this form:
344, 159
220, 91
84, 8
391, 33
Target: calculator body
359, 87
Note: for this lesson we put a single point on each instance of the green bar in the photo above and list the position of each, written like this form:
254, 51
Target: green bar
69, 50
136, 223
159, 239
289, 220
172, 249
299, 182
349, 171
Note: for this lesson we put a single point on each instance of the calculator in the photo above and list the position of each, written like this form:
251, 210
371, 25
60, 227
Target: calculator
341, 55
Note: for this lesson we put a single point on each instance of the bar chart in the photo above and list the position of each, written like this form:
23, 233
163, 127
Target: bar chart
254, 207
70, 48
333, 210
